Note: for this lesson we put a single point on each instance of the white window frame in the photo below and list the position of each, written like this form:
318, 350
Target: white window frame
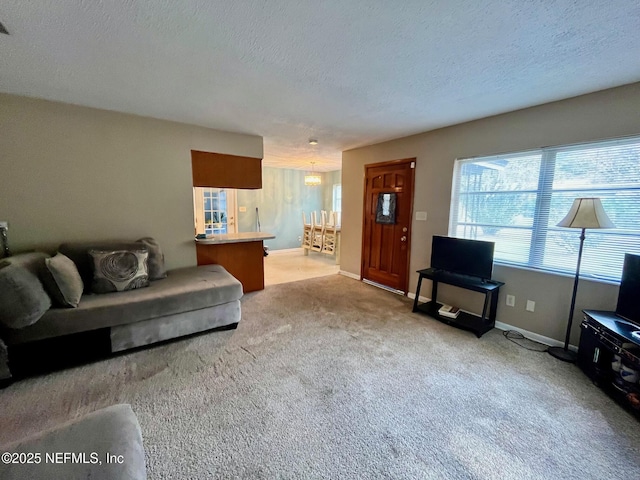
337, 197
202, 214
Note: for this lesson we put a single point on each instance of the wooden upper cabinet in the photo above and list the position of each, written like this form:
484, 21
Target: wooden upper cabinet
222, 170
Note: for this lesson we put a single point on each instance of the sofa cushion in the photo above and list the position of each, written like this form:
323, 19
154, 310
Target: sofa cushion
62, 280
114, 430
156, 266
119, 270
184, 290
23, 299
79, 253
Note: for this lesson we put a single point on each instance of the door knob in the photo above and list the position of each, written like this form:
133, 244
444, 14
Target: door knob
403, 238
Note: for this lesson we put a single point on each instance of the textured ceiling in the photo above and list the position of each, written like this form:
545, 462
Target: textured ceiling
349, 73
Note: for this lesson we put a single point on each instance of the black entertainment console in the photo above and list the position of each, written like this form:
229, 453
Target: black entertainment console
478, 324
608, 349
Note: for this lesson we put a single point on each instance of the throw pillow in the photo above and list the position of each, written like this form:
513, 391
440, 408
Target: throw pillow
32, 261
119, 270
78, 252
157, 269
62, 280
23, 300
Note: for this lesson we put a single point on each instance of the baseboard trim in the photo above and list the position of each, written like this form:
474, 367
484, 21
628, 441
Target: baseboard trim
499, 325
349, 274
422, 299
284, 250
534, 336
505, 326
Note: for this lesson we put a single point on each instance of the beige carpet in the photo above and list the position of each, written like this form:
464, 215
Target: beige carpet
332, 378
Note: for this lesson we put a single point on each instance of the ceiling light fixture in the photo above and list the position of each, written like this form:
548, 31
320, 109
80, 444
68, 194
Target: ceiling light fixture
313, 141
312, 179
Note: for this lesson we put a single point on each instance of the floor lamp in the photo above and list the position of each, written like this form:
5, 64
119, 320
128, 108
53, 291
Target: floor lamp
585, 213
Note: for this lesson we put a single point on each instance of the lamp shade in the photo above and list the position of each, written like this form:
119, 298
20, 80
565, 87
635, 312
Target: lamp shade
586, 213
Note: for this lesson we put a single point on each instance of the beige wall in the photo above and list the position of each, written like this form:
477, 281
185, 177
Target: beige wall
605, 114
76, 173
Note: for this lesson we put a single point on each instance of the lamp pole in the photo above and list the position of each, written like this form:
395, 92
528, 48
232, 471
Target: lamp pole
564, 353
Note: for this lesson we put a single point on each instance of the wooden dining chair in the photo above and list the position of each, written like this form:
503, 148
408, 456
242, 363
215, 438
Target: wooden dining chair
307, 231
330, 235
317, 232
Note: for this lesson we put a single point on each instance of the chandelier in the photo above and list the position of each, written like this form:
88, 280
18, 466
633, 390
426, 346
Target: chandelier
312, 179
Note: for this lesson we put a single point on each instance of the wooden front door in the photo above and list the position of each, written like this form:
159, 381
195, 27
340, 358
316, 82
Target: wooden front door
386, 240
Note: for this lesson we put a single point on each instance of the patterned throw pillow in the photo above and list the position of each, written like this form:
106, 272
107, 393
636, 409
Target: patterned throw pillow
119, 270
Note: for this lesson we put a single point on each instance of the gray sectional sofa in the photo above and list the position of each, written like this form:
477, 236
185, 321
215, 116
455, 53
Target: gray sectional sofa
179, 302
106, 445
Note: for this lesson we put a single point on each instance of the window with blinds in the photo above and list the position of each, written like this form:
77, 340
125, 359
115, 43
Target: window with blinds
516, 200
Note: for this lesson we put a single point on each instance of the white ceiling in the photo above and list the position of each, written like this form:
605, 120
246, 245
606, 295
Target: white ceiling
348, 72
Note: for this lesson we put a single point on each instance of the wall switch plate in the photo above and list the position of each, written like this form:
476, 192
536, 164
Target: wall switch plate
242, 209
511, 301
421, 216
4, 225
531, 306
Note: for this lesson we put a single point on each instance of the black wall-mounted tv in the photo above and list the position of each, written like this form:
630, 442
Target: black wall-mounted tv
629, 295
462, 256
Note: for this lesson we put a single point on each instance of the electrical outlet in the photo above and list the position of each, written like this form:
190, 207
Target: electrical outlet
531, 306
4, 225
299, 239
511, 301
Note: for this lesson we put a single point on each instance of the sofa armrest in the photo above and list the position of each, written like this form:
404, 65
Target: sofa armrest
107, 444
5, 372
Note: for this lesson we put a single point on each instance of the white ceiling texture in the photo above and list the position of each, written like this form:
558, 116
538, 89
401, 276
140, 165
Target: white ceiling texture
346, 72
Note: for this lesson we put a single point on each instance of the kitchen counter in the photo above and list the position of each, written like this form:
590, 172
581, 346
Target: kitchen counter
241, 254
234, 238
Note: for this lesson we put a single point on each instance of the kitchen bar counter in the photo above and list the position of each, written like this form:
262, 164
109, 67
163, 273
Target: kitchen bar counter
241, 254
235, 238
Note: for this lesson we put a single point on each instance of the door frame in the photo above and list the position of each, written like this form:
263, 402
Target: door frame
231, 210
364, 216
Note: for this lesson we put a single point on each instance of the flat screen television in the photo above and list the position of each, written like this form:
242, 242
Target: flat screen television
462, 256
629, 295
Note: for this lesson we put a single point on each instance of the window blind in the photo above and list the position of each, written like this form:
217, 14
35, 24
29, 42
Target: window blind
516, 200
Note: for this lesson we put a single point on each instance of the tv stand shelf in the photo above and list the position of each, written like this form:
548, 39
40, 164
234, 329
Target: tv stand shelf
478, 324
604, 335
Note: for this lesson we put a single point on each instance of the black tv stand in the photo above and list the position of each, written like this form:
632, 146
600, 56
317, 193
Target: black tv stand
478, 324
603, 336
